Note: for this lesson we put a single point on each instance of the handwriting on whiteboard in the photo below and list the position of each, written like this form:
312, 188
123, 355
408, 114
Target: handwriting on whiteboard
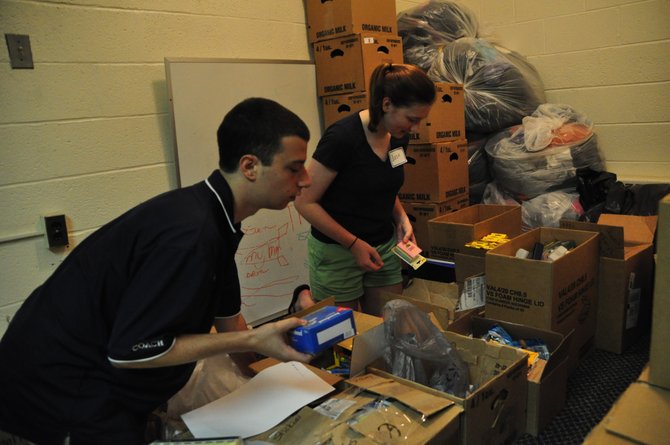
271, 259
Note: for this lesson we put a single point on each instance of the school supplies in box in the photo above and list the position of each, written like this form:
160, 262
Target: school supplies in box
325, 327
488, 242
409, 253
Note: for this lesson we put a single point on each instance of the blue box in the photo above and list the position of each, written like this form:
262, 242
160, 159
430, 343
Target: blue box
325, 327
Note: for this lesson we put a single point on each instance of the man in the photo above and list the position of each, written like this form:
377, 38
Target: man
118, 327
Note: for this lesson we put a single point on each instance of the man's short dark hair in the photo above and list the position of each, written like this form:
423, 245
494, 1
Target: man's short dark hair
256, 126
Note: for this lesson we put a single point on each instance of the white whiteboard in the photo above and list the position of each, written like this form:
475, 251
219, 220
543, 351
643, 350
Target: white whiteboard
271, 259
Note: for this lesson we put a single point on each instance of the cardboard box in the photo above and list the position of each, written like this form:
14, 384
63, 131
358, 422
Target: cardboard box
449, 233
342, 105
411, 412
467, 265
625, 279
659, 353
435, 172
338, 18
495, 412
440, 299
559, 296
640, 415
547, 392
419, 213
344, 65
446, 120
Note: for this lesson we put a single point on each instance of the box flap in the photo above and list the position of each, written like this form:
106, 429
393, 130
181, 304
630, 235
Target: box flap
441, 315
363, 322
443, 295
641, 414
367, 347
421, 401
636, 229
611, 237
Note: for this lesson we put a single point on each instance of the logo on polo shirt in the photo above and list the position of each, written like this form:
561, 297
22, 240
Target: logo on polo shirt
148, 345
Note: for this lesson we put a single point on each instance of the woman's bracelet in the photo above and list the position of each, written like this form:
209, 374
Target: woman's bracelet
352, 243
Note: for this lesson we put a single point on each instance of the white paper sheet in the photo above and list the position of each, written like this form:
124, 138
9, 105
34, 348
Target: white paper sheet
261, 403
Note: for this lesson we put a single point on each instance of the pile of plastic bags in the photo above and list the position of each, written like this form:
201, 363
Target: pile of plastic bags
501, 86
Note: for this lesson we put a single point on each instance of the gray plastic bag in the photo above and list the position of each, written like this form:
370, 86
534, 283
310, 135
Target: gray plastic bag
417, 350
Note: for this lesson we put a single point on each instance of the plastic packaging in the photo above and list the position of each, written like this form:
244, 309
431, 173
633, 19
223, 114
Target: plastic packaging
501, 86
418, 351
544, 153
212, 378
445, 39
435, 23
548, 209
478, 169
545, 210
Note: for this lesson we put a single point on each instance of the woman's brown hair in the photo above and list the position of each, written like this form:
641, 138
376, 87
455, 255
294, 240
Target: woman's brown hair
405, 85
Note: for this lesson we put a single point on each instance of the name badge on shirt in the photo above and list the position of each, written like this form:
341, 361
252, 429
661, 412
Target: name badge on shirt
397, 157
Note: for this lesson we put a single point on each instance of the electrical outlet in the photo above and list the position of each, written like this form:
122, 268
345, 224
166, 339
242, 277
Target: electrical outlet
56, 230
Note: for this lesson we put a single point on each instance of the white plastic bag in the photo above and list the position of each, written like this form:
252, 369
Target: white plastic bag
212, 379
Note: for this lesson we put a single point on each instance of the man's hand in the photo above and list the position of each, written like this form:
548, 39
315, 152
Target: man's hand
271, 340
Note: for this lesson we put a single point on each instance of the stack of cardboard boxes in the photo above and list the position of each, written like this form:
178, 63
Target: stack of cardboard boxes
350, 39
436, 174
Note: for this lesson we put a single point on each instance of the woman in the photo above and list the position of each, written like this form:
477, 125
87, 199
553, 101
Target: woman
353, 203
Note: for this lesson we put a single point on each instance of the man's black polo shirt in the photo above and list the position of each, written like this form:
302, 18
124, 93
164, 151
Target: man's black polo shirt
162, 269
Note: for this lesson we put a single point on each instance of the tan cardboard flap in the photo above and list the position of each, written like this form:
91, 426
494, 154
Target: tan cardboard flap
298, 429
367, 347
421, 401
618, 232
441, 315
636, 229
611, 237
641, 414
440, 294
363, 323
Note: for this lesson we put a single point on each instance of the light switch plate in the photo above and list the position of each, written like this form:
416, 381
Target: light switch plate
20, 54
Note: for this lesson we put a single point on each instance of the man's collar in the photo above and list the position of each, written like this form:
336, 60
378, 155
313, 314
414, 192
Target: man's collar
221, 190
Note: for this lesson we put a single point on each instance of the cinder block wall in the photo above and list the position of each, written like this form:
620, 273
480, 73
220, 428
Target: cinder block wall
88, 133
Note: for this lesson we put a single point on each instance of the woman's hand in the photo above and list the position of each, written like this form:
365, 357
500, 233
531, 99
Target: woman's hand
403, 226
404, 230
366, 256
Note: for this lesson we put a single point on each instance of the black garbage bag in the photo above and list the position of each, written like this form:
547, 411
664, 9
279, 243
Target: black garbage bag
601, 192
435, 23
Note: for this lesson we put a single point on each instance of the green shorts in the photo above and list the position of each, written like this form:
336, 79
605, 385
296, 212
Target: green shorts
333, 271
